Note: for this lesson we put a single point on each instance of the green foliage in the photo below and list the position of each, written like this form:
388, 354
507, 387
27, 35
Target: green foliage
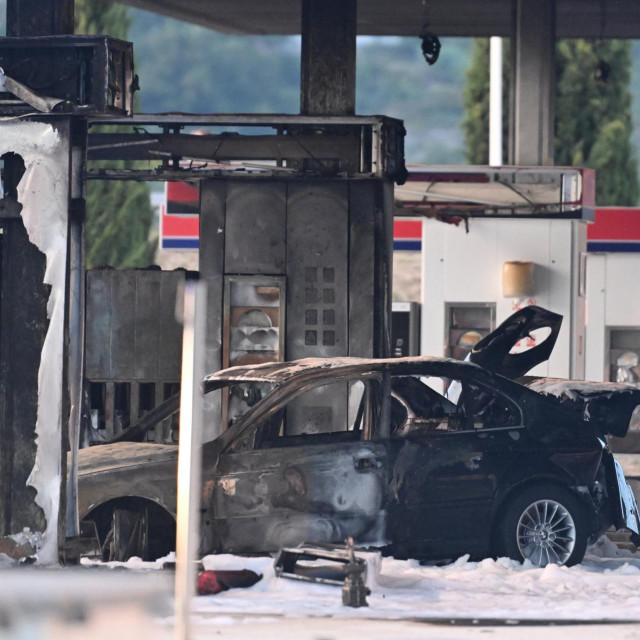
393, 79
612, 156
117, 230
593, 118
119, 214
102, 17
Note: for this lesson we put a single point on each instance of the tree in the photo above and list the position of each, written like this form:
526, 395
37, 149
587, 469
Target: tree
475, 123
593, 113
119, 214
593, 116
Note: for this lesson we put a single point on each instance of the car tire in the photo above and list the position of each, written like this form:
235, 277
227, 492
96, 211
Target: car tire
545, 524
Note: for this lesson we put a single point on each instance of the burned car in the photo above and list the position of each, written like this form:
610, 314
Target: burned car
426, 458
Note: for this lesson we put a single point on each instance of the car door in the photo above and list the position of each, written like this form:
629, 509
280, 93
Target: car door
445, 470
307, 472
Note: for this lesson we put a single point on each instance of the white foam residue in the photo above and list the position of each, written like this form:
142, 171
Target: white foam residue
43, 193
605, 586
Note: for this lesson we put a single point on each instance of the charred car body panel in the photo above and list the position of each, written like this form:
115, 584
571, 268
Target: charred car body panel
324, 493
412, 471
608, 406
128, 469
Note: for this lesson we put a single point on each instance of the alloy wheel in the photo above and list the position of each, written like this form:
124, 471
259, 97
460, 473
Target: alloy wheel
546, 533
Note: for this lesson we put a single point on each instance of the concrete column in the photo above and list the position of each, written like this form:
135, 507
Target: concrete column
39, 17
328, 67
35, 308
533, 82
23, 326
213, 197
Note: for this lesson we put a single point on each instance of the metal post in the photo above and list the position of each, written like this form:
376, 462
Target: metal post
495, 102
533, 82
75, 318
328, 62
189, 451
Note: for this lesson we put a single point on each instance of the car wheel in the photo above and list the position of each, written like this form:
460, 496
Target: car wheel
546, 525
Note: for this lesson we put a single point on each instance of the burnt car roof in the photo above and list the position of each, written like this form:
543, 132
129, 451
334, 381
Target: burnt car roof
280, 372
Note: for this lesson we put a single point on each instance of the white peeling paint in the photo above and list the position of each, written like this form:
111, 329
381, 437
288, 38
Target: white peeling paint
43, 193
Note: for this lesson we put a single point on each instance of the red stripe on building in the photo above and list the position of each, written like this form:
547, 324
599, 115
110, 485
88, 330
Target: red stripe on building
181, 226
406, 229
615, 224
182, 192
188, 226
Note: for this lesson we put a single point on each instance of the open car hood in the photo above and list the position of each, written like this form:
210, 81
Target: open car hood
607, 405
494, 351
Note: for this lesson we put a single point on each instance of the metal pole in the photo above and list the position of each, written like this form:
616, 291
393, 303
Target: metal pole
76, 333
189, 451
495, 102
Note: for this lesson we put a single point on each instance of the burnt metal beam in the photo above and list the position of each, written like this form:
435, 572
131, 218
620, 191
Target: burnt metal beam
284, 120
328, 63
332, 145
193, 174
142, 146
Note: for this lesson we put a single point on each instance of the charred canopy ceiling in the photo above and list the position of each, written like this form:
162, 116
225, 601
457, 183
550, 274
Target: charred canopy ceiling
481, 18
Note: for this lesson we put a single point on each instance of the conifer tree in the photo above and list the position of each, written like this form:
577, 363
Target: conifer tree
119, 214
593, 113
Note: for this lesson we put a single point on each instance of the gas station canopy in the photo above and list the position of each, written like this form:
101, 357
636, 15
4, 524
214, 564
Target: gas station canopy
472, 18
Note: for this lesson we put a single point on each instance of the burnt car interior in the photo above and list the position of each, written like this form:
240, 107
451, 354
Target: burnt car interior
332, 413
353, 410
418, 408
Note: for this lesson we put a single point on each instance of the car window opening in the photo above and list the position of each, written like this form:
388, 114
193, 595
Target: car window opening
330, 413
441, 405
534, 339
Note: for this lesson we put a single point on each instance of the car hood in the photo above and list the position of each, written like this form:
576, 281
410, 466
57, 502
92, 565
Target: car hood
607, 405
123, 454
493, 352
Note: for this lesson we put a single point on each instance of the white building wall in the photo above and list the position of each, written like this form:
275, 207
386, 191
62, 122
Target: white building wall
613, 282
460, 267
